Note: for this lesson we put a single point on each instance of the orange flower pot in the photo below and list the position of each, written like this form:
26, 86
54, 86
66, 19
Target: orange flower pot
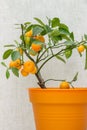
59, 109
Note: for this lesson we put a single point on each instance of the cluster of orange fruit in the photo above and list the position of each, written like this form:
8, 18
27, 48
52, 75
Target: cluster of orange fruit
27, 68
35, 47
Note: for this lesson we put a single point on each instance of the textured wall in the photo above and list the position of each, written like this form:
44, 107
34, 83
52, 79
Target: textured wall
15, 110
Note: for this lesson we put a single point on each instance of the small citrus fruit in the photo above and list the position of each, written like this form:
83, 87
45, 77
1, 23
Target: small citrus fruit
27, 40
34, 71
17, 62
36, 47
11, 64
81, 48
40, 38
24, 73
29, 33
64, 85
29, 66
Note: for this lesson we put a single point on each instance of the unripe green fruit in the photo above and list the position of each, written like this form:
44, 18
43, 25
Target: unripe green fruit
27, 40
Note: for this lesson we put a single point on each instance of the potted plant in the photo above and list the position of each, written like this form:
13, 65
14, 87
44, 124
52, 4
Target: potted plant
63, 107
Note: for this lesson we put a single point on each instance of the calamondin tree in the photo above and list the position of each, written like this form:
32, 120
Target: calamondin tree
40, 43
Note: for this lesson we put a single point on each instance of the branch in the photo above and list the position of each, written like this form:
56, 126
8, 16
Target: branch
53, 80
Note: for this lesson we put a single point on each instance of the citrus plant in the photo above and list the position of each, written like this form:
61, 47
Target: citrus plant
40, 43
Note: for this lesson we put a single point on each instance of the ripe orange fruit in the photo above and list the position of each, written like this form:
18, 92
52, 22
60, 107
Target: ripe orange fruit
64, 85
24, 73
40, 38
29, 66
81, 48
36, 47
17, 62
34, 71
11, 64
29, 33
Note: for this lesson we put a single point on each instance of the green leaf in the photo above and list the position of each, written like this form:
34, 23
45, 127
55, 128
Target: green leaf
60, 58
86, 60
27, 23
68, 53
85, 36
9, 45
15, 72
63, 31
7, 74
55, 22
54, 33
37, 30
69, 43
72, 36
39, 21
15, 55
4, 64
64, 26
75, 77
47, 28
7, 53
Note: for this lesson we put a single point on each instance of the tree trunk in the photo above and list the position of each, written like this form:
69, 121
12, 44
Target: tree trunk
41, 81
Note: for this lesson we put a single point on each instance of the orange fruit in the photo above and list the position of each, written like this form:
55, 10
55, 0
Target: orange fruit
24, 73
11, 64
81, 48
17, 62
40, 38
64, 85
29, 33
34, 71
36, 47
29, 66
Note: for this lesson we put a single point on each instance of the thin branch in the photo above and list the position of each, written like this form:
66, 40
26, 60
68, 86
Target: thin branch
53, 80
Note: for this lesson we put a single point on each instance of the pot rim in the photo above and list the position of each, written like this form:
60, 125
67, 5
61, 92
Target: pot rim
58, 89
56, 95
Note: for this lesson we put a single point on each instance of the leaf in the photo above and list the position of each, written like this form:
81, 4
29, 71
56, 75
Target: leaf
47, 28
64, 26
7, 53
39, 21
54, 33
15, 55
4, 64
72, 36
68, 43
68, 53
63, 31
7, 74
37, 30
27, 23
60, 58
15, 72
55, 22
9, 45
85, 36
86, 60
75, 77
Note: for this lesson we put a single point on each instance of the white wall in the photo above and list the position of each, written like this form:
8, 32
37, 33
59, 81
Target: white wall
15, 109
